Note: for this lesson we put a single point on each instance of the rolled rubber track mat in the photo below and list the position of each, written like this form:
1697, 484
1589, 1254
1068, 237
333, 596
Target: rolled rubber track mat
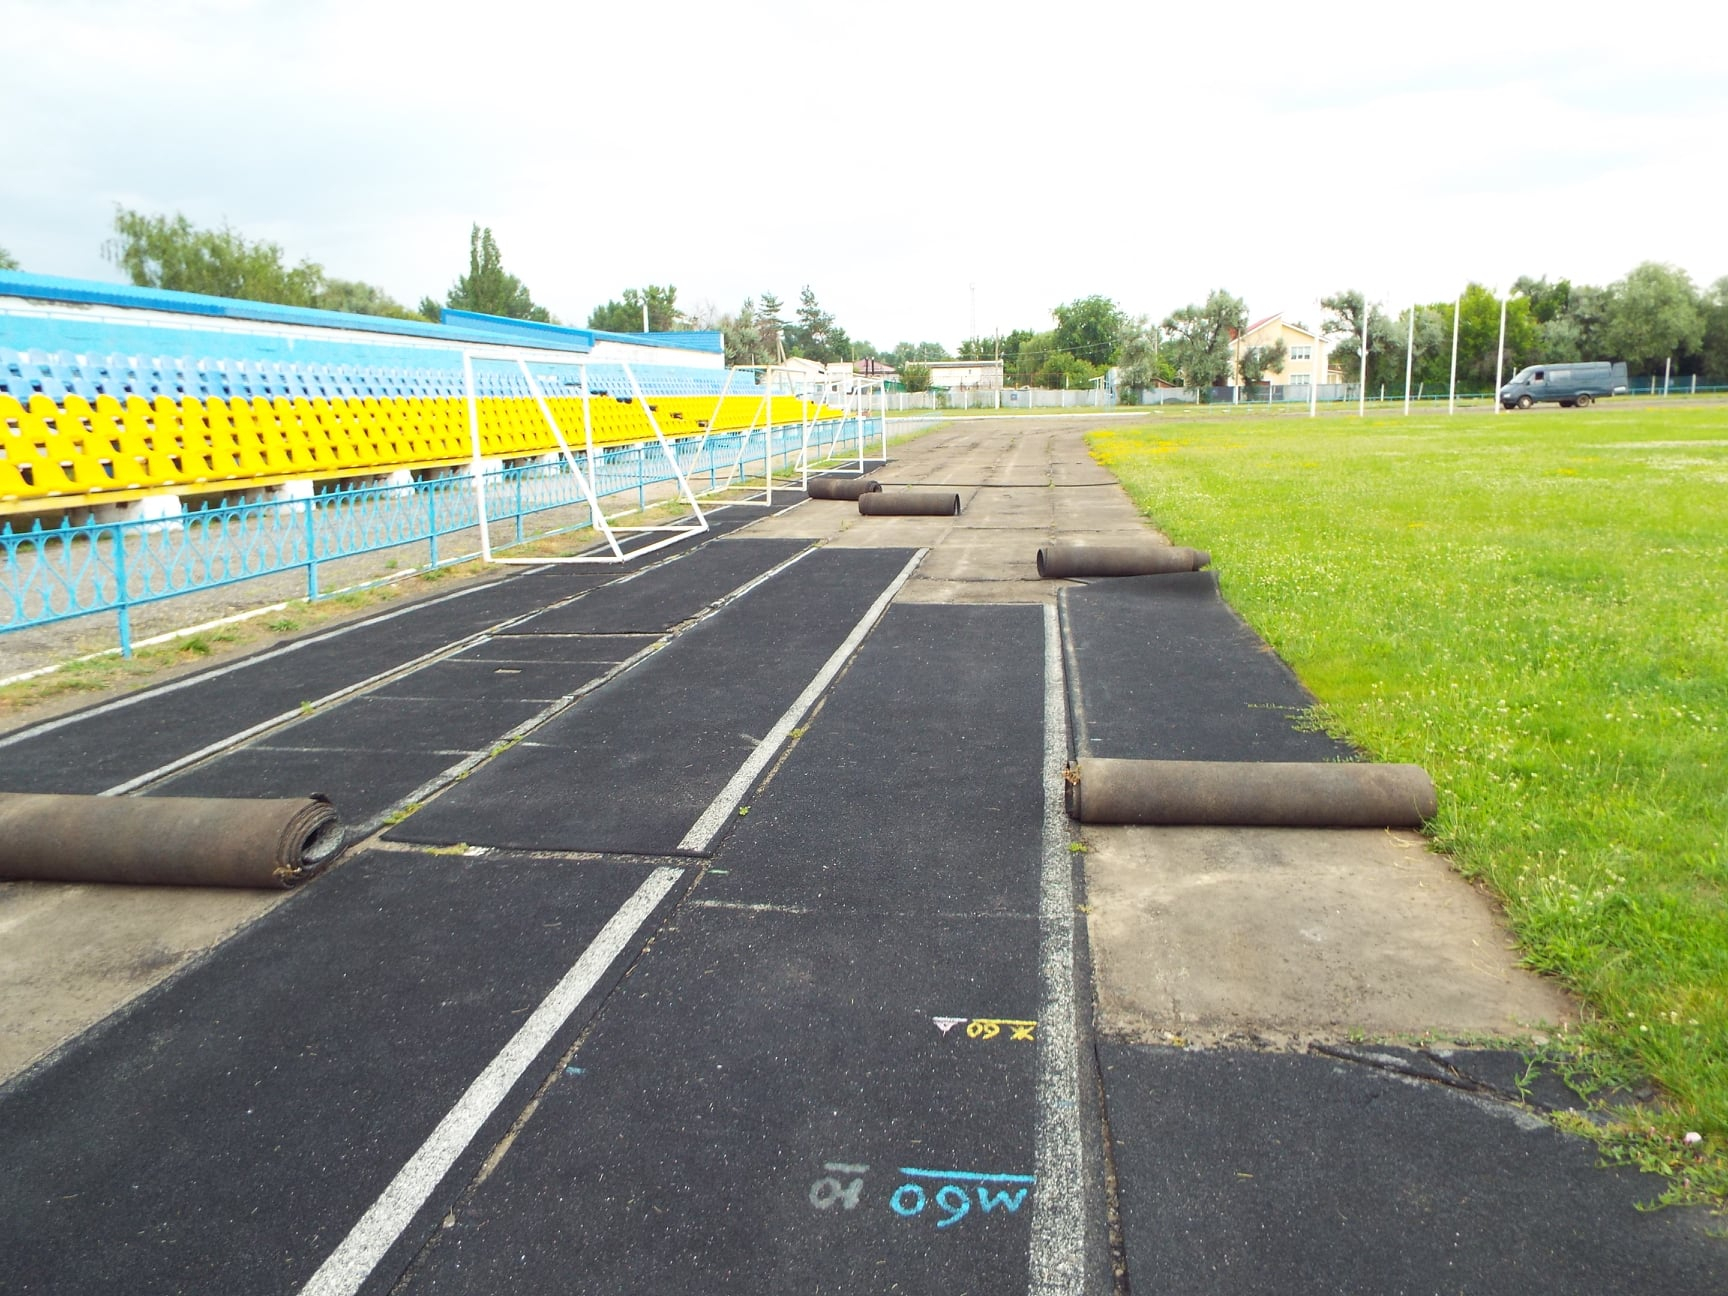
909, 503
226, 1131
667, 594
1268, 794
181, 841
1243, 1172
841, 488
784, 1031
632, 766
1161, 668
1085, 561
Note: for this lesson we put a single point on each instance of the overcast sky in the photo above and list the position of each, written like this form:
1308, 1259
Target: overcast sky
920, 166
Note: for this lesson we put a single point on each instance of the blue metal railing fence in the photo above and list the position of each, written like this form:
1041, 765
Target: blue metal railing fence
57, 573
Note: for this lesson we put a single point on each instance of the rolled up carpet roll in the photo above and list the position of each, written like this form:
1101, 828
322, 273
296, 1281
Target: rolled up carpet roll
841, 488
173, 841
1064, 560
1270, 794
909, 503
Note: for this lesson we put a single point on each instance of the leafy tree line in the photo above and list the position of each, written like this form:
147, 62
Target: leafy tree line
162, 252
1653, 315
759, 332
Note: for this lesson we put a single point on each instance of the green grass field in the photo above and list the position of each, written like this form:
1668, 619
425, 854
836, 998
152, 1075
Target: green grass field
1535, 608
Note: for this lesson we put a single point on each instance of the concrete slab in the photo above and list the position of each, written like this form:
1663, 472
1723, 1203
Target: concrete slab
70, 955
1000, 555
1215, 935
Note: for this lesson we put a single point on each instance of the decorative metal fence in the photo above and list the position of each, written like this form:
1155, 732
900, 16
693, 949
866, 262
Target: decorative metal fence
50, 574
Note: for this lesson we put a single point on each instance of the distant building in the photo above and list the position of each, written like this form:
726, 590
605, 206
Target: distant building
968, 375
870, 367
1304, 349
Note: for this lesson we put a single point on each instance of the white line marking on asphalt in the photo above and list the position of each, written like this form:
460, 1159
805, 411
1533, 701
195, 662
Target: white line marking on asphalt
703, 832
427, 659
202, 677
1058, 1233
377, 1230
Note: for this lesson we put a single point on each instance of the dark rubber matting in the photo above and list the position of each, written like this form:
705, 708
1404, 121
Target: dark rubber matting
1255, 1172
631, 767
470, 680
360, 783
919, 778
408, 724
666, 595
747, 1053
515, 648
1167, 671
91, 754
785, 1021
226, 1133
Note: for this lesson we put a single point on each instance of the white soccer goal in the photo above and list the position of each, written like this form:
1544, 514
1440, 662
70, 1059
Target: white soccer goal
658, 537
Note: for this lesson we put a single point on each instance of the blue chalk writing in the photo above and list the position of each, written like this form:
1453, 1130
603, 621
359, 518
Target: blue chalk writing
1010, 1198
843, 1187
912, 1172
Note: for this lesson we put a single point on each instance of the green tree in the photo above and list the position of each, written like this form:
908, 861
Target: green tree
488, 289
1140, 364
906, 353
815, 335
1653, 313
156, 252
746, 335
1385, 342
1010, 344
625, 315
1713, 355
1432, 369
1090, 329
1479, 338
1261, 363
772, 313
916, 377
1548, 301
1040, 362
1199, 338
7, 260
359, 299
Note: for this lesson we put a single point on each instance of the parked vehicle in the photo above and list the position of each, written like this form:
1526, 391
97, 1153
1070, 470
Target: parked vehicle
1576, 383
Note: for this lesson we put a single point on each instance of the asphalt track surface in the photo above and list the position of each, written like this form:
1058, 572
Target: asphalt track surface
561, 1037
1206, 688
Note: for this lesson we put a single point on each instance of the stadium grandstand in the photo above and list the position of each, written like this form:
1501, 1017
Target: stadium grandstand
110, 395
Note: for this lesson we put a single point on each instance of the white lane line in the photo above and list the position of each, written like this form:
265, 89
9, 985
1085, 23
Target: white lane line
245, 663
1057, 1264
703, 832
437, 655
377, 1230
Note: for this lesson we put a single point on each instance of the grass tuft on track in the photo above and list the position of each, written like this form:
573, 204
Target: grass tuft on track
1534, 607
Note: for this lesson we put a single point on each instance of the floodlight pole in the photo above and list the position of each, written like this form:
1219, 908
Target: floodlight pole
1452, 391
1362, 387
1409, 358
1500, 359
475, 469
1314, 378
